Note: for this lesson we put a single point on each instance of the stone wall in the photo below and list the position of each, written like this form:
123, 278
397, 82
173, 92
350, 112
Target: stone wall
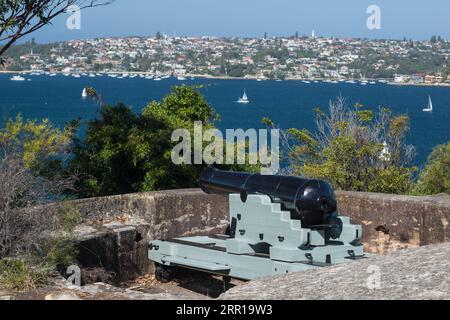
113, 239
170, 213
390, 222
405, 221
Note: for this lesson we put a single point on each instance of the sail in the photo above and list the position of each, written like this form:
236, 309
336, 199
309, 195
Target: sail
430, 105
244, 97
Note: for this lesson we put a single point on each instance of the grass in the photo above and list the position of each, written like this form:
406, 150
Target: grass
15, 274
33, 269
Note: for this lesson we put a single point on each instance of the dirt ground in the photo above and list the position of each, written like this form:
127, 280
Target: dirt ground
186, 284
189, 283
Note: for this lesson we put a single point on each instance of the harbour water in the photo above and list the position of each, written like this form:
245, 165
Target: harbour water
288, 103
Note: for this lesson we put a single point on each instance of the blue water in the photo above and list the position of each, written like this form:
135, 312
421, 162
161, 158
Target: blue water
288, 103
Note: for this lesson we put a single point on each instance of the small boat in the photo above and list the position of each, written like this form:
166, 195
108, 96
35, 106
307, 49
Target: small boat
306, 81
181, 78
52, 74
244, 99
18, 78
157, 79
84, 94
91, 75
430, 105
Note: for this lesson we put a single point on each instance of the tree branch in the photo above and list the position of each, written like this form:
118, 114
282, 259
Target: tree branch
29, 16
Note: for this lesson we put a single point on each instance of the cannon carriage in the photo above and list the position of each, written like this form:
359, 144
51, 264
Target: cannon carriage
278, 224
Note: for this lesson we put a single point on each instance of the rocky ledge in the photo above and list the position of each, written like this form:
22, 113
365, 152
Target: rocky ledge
421, 273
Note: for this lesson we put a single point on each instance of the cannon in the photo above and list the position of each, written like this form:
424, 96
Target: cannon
313, 202
278, 224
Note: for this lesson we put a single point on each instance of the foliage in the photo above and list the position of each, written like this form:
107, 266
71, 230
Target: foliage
126, 152
353, 148
16, 274
19, 18
38, 234
41, 146
435, 178
31, 229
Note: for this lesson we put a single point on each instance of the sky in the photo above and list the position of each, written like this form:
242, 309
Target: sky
413, 19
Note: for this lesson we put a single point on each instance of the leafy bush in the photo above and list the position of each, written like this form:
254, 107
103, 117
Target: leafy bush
435, 178
353, 148
16, 274
40, 146
35, 237
126, 152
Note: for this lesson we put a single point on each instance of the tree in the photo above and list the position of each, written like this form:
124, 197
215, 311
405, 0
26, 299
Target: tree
32, 241
19, 18
353, 148
435, 178
125, 152
41, 147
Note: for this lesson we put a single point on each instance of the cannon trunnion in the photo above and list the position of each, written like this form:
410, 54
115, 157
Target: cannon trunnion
278, 224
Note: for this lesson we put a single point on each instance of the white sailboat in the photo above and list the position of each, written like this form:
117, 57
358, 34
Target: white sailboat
244, 99
430, 105
84, 94
18, 78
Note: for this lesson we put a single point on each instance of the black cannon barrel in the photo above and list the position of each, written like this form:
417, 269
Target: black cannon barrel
312, 201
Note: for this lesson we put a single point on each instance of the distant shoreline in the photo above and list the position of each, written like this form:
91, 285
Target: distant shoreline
205, 76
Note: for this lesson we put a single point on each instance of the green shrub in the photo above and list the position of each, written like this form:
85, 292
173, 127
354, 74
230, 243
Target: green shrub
435, 178
16, 274
69, 216
353, 148
125, 152
62, 252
